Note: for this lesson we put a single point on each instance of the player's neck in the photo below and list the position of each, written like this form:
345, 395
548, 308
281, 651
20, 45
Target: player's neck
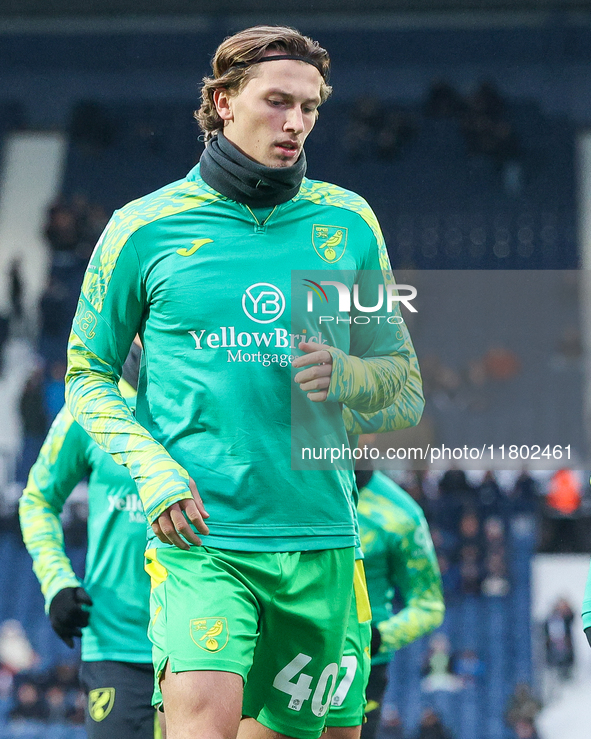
233, 174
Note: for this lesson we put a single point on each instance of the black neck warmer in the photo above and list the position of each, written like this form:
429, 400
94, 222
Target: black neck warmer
239, 178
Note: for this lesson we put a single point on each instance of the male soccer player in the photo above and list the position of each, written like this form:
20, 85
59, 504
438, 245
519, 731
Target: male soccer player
202, 270
110, 609
398, 556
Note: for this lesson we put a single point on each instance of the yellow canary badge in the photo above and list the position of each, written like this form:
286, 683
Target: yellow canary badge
100, 703
210, 634
329, 242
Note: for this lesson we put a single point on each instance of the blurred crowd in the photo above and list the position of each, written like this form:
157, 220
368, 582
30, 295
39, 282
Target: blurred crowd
385, 130
33, 699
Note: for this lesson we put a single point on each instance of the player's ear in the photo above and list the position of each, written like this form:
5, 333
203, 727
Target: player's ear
223, 104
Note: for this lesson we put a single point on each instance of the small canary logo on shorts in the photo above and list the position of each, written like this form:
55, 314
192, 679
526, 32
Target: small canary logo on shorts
210, 634
100, 703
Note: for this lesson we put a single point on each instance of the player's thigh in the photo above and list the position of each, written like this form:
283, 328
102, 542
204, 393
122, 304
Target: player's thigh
252, 729
202, 703
302, 634
119, 700
347, 707
204, 616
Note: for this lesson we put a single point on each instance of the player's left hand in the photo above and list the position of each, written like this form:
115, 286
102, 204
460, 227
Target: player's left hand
316, 378
68, 613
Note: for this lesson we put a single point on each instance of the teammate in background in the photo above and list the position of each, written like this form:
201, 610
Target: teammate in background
398, 556
110, 609
202, 270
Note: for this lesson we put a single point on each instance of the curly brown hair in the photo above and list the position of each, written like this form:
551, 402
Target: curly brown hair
245, 49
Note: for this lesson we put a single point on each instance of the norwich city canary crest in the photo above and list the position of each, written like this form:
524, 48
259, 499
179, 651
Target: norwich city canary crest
211, 634
329, 242
100, 703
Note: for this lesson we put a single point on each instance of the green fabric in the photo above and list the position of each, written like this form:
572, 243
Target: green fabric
587, 603
176, 266
114, 577
289, 605
347, 707
398, 554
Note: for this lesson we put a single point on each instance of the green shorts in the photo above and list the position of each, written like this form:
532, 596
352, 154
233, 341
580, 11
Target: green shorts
278, 619
347, 707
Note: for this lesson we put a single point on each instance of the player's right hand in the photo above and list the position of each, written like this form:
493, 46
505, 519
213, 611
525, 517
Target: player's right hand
67, 615
172, 526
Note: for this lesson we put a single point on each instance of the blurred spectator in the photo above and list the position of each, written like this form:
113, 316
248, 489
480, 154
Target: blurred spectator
363, 127
62, 233
77, 715
397, 128
438, 667
501, 364
376, 130
57, 705
470, 528
450, 575
564, 492
469, 667
491, 500
4, 331
522, 706
494, 535
524, 497
392, 727
455, 494
29, 704
496, 582
559, 641
563, 501
72, 229
525, 730
34, 423
16, 653
489, 132
431, 726
55, 389
443, 101
470, 569
65, 676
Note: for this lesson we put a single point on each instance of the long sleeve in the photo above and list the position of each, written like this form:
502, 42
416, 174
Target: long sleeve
415, 574
375, 373
61, 465
110, 312
406, 411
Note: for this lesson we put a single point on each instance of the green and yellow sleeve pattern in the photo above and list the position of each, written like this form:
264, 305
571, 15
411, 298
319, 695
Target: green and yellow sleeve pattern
97, 404
415, 573
366, 385
59, 467
405, 412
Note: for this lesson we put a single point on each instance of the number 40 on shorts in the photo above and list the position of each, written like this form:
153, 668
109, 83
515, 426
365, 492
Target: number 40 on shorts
301, 690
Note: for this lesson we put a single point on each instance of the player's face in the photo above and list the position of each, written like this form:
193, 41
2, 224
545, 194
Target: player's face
273, 114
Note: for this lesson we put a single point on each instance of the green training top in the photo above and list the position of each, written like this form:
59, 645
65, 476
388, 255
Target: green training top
587, 603
115, 578
399, 555
209, 289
